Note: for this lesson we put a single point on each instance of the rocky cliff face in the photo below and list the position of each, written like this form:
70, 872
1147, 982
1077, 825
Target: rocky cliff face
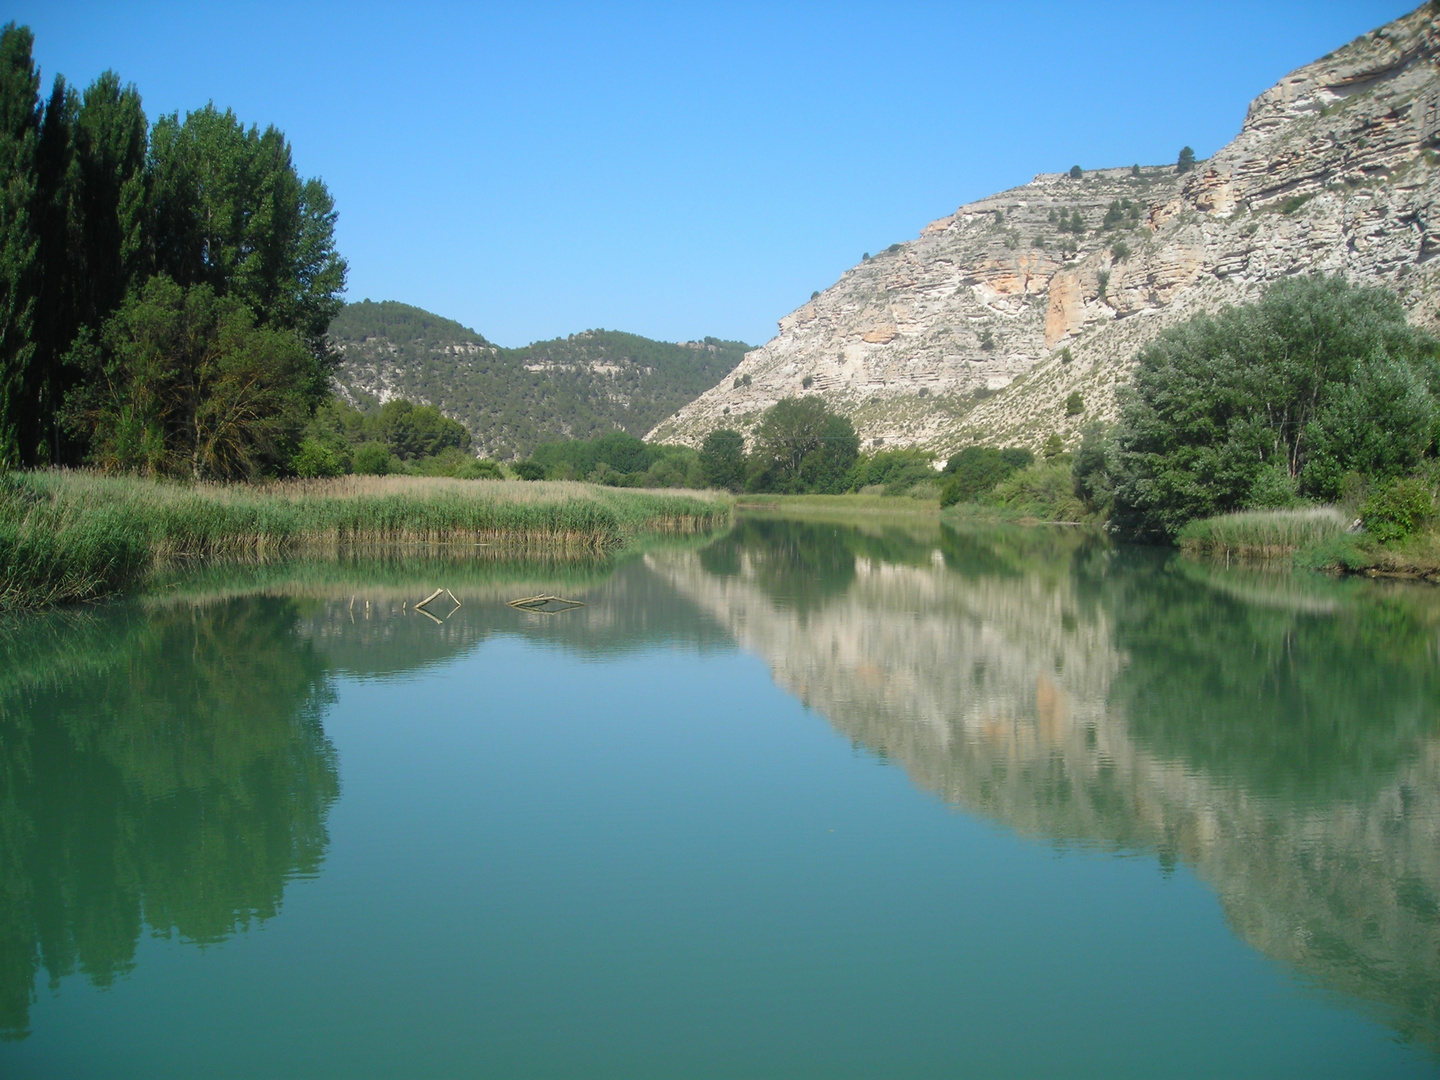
982, 328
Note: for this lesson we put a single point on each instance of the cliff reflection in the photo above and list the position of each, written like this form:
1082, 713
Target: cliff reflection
163, 769
1280, 736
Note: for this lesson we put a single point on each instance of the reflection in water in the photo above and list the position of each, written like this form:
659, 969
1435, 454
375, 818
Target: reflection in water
165, 766
1279, 736
167, 770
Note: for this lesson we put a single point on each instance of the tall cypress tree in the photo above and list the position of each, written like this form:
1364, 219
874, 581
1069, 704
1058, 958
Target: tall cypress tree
90, 218
58, 228
19, 138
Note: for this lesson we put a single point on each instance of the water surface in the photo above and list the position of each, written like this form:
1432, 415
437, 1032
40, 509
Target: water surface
806, 800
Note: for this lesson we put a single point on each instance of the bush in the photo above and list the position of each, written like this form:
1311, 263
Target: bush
529, 470
1074, 404
484, 469
894, 471
314, 459
373, 459
1045, 491
1076, 172
1186, 161
1397, 510
1054, 446
1274, 489
1119, 251
975, 471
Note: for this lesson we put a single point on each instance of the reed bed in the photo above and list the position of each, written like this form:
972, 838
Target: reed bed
73, 536
1262, 534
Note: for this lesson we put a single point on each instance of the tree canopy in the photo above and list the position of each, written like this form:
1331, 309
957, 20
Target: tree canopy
96, 204
800, 445
1318, 379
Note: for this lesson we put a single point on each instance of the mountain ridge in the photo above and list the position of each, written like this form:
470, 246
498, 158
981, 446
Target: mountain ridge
510, 400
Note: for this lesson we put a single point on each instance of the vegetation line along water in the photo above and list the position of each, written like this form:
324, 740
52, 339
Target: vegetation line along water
68, 536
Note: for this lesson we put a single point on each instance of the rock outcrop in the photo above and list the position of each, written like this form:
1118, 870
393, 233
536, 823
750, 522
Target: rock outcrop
981, 328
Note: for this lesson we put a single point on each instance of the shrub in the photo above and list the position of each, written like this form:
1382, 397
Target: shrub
1066, 356
975, 471
1274, 489
1397, 509
1074, 404
987, 340
1054, 446
314, 459
1103, 280
1076, 172
485, 469
1119, 251
895, 471
1045, 491
529, 470
1186, 161
373, 459
807, 382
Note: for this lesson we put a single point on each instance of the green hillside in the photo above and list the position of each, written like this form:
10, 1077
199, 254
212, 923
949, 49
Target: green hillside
580, 386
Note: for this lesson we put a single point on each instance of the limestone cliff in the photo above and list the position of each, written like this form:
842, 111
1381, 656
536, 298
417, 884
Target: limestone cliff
982, 327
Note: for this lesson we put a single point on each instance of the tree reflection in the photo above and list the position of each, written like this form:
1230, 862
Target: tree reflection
166, 770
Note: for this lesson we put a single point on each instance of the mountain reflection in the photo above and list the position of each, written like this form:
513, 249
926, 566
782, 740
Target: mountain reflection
164, 769
1279, 735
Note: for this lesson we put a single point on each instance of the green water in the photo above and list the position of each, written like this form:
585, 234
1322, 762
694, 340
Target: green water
805, 801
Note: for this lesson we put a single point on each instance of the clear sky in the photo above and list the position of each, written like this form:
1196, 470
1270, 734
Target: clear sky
680, 170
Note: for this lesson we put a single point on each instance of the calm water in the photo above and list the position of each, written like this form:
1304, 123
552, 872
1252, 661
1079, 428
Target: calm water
809, 800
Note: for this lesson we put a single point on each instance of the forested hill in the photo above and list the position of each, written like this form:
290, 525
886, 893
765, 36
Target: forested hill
580, 386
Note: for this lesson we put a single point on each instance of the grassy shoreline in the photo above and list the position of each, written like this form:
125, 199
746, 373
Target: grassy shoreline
76, 536
837, 505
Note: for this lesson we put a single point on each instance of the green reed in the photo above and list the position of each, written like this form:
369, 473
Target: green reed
69, 536
1261, 534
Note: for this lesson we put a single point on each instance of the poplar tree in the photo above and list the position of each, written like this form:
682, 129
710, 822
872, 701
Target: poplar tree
19, 137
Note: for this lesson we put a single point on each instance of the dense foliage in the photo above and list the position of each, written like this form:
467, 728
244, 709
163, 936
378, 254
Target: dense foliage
620, 460
511, 400
975, 471
114, 238
801, 446
1262, 404
397, 437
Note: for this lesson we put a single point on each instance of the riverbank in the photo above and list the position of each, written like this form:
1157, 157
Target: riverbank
838, 505
1312, 538
75, 536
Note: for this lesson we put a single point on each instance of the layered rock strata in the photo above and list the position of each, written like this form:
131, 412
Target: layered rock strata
982, 328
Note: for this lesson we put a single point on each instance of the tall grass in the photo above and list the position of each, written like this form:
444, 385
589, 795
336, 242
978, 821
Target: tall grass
1261, 534
68, 536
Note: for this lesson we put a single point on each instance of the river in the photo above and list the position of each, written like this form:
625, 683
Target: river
809, 799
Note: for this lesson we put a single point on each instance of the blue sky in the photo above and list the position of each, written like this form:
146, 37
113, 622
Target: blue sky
682, 170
